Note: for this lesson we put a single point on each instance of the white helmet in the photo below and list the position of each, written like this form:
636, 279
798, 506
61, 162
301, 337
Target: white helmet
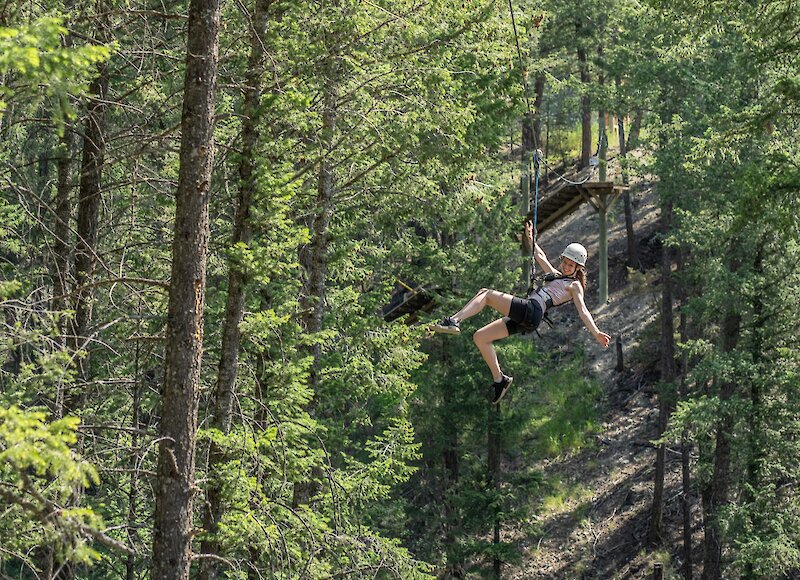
575, 252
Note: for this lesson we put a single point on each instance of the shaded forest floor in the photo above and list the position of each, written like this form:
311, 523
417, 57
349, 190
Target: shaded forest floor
595, 524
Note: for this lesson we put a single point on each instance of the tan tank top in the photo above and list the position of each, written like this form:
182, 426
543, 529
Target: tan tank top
557, 289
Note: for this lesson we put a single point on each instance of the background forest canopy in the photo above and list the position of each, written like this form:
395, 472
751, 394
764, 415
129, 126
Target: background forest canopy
206, 209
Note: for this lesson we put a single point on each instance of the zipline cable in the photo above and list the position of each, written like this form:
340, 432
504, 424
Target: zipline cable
529, 110
535, 201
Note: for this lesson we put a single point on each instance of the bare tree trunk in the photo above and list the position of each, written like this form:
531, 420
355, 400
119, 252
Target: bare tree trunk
222, 413
90, 184
313, 256
175, 486
526, 185
636, 126
655, 534
450, 461
602, 137
686, 504
133, 491
537, 110
61, 245
88, 208
586, 110
633, 252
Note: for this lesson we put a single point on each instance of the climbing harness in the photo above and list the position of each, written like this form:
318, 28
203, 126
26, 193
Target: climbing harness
540, 287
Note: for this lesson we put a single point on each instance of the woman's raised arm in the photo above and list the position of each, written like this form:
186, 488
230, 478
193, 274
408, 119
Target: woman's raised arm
538, 253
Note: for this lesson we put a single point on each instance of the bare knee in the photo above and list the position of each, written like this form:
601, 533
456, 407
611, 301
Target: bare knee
479, 338
493, 297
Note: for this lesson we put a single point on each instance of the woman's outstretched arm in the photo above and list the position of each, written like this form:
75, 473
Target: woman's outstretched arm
577, 295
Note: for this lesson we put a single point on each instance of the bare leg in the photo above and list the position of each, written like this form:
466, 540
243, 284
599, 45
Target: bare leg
484, 338
500, 301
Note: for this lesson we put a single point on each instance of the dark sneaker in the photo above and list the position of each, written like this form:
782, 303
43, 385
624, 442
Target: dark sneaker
501, 388
447, 326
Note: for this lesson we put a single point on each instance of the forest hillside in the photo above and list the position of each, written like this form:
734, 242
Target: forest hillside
229, 230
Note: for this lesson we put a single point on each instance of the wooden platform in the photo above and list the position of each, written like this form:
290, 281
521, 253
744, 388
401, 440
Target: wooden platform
561, 198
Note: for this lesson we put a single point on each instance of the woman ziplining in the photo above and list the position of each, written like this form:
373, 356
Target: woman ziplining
523, 315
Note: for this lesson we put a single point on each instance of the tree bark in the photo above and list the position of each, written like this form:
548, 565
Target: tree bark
537, 108
61, 245
602, 137
633, 252
450, 464
586, 110
313, 256
655, 534
526, 185
135, 458
175, 486
88, 208
636, 126
222, 413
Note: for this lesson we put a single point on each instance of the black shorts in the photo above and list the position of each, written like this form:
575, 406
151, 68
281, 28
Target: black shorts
524, 316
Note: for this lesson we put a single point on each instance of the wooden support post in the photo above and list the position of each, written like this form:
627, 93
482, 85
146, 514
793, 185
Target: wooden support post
620, 363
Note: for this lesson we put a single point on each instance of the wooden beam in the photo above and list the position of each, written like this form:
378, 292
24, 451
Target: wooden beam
585, 194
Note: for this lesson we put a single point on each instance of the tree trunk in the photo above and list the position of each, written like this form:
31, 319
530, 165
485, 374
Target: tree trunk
175, 487
686, 445
135, 458
586, 110
450, 463
755, 417
221, 416
602, 137
314, 255
526, 186
655, 534
537, 108
61, 245
636, 126
633, 252
88, 208
720, 482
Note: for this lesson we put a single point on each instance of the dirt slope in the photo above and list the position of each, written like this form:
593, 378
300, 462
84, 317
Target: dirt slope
600, 529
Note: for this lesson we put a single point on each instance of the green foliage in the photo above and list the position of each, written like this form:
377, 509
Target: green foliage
383, 426
719, 152
565, 408
34, 57
39, 475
